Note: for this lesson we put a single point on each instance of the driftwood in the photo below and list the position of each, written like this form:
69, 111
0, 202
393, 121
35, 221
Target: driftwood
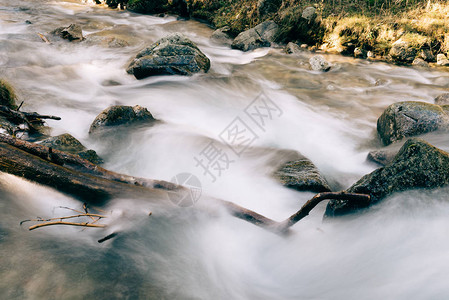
31, 119
86, 181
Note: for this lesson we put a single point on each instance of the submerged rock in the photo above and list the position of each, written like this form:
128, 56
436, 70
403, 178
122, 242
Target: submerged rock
417, 165
221, 35
7, 95
118, 115
71, 33
442, 99
410, 118
67, 143
302, 175
171, 55
419, 62
293, 48
319, 63
260, 36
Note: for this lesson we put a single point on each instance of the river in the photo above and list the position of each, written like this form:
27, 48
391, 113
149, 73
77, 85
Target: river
397, 250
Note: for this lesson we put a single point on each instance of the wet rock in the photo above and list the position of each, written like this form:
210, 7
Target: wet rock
442, 60
302, 175
293, 48
67, 143
319, 63
71, 33
419, 62
221, 35
265, 7
410, 118
382, 157
427, 55
7, 95
402, 51
260, 36
118, 115
359, 53
309, 13
442, 99
417, 165
171, 55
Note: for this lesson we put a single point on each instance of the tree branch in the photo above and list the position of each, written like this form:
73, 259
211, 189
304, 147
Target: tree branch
66, 223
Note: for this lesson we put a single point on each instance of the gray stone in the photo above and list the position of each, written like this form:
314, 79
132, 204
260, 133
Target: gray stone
319, 63
309, 13
401, 51
221, 35
118, 115
302, 175
419, 62
417, 165
265, 7
260, 36
442, 99
67, 143
72, 33
442, 60
359, 53
293, 48
382, 157
410, 118
171, 55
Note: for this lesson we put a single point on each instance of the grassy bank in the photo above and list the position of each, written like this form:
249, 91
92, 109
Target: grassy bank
341, 25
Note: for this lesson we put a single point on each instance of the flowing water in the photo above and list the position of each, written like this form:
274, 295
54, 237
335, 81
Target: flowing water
397, 250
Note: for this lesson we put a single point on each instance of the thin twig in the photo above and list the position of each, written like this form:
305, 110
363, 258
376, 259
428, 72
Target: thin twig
66, 223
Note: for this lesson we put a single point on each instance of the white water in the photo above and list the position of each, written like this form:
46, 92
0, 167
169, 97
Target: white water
399, 250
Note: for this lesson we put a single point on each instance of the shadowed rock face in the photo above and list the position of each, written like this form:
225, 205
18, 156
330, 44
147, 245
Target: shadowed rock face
260, 36
417, 165
172, 55
405, 119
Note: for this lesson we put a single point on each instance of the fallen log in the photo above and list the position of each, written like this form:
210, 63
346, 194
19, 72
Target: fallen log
28, 118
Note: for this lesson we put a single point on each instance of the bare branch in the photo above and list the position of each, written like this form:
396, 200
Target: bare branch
66, 223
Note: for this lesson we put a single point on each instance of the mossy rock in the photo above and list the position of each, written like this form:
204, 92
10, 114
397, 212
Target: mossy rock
7, 95
410, 118
417, 165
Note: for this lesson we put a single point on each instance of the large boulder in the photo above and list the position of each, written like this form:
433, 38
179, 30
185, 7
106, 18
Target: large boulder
402, 51
7, 95
417, 165
171, 55
410, 118
118, 115
260, 36
222, 36
302, 175
67, 143
73, 33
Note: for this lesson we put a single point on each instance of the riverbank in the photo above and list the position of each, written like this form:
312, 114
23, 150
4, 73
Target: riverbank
413, 31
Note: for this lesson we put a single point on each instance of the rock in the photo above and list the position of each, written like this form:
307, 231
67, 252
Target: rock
67, 143
301, 175
359, 53
319, 63
118, 115
442, 60
265, 7
442, 99
419, 62
410, 118
171, 55
370, 55
71, 33
260, 36
417, 165
293, 48
221, 35
309, 13
401, 51
427, 55
7, 95
382, 157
